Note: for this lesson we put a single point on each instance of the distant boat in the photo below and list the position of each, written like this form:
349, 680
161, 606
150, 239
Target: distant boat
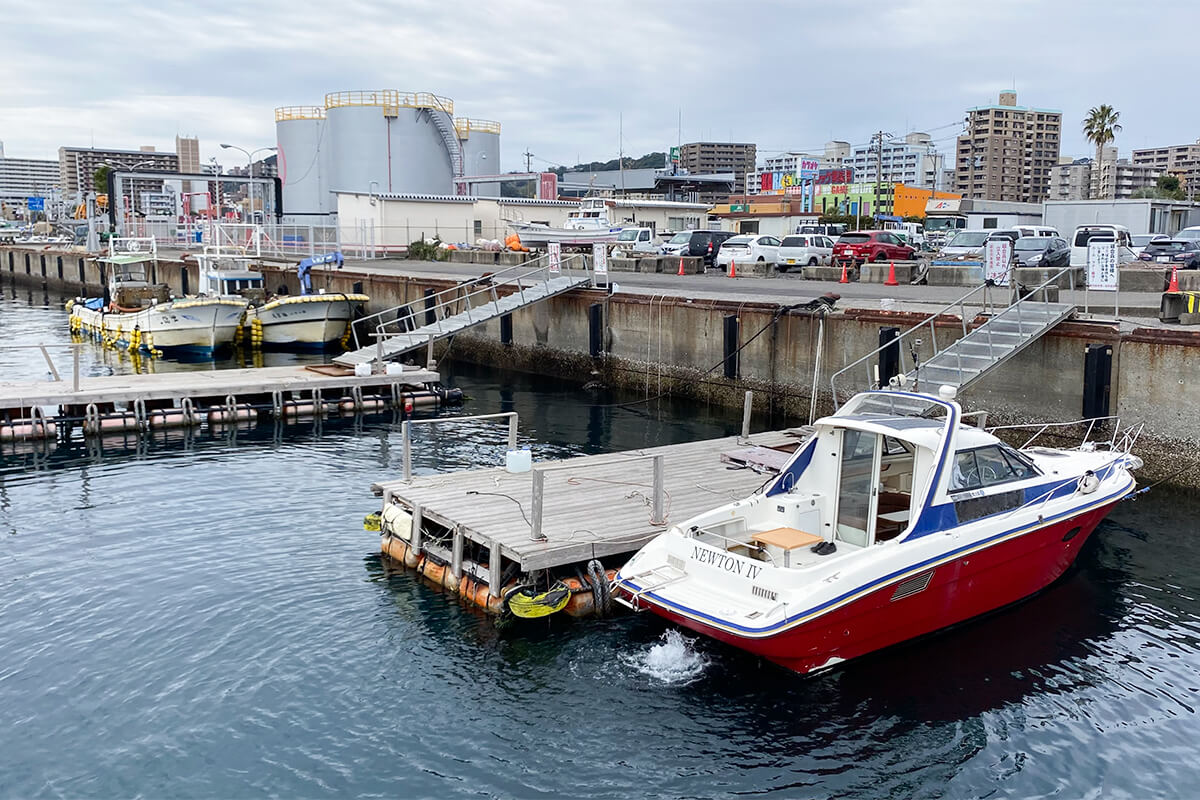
140, 315
307, 321
586, 225
894, 520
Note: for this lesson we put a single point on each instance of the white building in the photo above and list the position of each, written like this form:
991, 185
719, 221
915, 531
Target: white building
913, 162
22, 178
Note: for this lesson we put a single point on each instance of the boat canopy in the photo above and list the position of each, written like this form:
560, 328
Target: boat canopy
127, 258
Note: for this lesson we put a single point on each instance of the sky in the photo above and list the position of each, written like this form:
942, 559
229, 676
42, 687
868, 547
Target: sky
573, 81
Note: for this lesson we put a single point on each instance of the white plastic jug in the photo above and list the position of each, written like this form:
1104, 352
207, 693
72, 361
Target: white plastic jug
362, 370
518, 460
393, 368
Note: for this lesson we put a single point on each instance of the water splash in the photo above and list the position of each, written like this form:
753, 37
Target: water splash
674, 660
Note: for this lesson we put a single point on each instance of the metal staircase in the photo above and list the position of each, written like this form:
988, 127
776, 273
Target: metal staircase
396, 331
450, 138
965, 360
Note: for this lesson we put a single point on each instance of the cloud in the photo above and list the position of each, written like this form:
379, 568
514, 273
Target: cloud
575, 81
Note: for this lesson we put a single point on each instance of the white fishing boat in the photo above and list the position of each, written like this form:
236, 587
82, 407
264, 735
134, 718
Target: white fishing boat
308, 321
138, 314
884, 526
586, 225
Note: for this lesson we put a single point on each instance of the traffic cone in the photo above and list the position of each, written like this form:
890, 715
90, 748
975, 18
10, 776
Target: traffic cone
680, 266
891, 279
732, 268
1173, 286
845, 277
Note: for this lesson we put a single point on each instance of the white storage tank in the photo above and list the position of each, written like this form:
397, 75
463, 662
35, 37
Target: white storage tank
392, 141
303, 158
480, 141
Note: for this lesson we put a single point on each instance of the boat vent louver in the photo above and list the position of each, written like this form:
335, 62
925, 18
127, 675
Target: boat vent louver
911, 586
765, 594
676, 562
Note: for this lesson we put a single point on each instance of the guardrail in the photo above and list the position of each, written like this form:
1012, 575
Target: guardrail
406, 434
75, 348
538, 491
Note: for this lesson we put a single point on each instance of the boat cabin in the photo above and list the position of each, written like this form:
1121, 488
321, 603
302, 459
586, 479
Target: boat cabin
129, 286
224, 275
873, 474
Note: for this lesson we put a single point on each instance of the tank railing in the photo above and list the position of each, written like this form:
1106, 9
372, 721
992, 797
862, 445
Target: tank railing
458, 299
389, 98
929, 322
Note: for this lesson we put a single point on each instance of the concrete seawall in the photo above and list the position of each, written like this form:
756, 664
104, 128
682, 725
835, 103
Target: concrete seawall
657, 344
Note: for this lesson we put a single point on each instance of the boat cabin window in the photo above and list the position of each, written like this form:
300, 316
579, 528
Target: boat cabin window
988, 466
874, 489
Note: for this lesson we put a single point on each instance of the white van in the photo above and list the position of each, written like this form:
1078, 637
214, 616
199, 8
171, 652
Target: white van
1103, 233
641, 241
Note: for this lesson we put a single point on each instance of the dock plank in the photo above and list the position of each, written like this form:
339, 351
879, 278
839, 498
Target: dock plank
593, 505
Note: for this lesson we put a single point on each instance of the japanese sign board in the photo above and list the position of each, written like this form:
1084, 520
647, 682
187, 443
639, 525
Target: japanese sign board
674, 155
997, 258
554, 256
600, 258
35, 203
548, 186
735, 207
835, 176
1102, 266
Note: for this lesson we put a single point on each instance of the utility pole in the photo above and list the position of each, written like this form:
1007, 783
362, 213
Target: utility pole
528, 160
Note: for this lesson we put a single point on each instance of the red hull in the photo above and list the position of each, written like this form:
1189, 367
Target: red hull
979, 582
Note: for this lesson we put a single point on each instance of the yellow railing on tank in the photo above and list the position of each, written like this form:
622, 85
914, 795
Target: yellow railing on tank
464, 125
389, 99
299, 112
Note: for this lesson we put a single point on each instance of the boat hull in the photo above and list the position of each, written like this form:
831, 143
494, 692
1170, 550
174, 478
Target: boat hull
305, 322
540, 234
958, 590
195, 326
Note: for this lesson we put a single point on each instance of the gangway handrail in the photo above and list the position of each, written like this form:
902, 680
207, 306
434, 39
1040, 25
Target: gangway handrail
961, 304
510, 276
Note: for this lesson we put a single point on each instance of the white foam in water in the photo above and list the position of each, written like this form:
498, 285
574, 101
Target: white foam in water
673, 660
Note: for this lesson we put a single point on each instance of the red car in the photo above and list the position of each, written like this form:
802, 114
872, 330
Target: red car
857, 247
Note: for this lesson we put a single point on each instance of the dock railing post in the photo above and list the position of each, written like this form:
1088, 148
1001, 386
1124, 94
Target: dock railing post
659, 489
494, 574
418, 519
512, 431
456, 556
747, 404
539, 491
406, 449
49, 361
75, 369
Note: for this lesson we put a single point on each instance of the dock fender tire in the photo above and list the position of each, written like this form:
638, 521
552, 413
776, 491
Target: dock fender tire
600, 587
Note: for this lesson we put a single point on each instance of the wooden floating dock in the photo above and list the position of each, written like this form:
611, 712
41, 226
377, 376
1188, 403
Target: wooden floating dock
215, 383
584, 507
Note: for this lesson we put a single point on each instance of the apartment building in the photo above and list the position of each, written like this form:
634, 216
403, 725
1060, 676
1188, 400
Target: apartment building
1071, 179
77, 165
1181, 160
22, 178
707, 158
1007, 152
914, 161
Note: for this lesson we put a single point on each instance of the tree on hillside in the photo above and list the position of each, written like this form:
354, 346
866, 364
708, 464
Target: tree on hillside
1165, 188
1100, 127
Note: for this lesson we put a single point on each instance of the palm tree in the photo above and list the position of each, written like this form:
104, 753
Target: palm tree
1100, 127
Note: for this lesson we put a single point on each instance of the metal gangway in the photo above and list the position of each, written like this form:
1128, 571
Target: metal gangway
966, 359
396, 331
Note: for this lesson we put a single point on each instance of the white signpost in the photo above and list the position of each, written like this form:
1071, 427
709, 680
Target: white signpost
1102, 272
554, 255
997, 261
600, 260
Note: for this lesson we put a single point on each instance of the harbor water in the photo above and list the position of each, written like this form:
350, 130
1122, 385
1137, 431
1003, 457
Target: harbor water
191, 615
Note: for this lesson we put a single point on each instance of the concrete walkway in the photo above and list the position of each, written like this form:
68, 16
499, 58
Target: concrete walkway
1138, 309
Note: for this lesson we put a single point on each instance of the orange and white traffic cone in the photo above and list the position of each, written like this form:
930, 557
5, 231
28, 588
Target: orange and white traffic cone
845, 277
732, 268
680, 266
1173, 286
891, 278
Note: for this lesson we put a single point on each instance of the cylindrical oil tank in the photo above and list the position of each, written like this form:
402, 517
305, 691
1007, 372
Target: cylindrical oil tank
303, 159
480, 141
391, 141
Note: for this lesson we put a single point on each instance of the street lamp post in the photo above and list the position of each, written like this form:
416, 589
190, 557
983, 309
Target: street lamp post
132, 183
250, 172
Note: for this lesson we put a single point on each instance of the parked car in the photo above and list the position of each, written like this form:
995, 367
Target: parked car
1140, 240
831, 229
965, 244
1182, 253
1042, 251
804, 250
704, 244
641, 241
1103, 233
860, 246
747, 249
1188, 233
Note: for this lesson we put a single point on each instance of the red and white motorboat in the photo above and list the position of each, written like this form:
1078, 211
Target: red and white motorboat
894, 520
